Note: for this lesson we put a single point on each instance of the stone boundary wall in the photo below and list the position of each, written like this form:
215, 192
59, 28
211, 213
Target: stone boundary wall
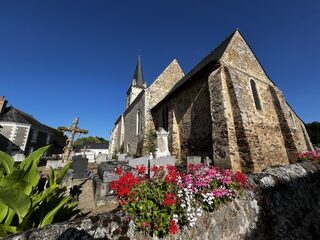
284, 203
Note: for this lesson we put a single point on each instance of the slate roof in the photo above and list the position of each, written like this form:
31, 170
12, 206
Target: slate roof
212, 58
138, 74
15, 115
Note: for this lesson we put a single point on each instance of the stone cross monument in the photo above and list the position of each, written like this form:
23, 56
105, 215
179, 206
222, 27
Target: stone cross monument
69, 143
162, 143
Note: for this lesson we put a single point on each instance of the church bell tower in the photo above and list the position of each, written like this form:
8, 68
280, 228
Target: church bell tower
137, 85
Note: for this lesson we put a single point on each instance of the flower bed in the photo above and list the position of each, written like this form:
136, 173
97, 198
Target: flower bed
310, 155
162, 204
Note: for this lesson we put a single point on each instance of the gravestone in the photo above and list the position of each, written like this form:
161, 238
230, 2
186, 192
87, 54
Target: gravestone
101, 158
162, 143
162, 161
102, 181
80, 167
55, 164
122, 157
138, 161
194, 160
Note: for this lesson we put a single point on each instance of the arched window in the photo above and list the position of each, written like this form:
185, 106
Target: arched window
139, 122
255, 94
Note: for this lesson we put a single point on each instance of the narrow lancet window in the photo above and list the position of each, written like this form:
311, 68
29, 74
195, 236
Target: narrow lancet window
255, 95
139, 122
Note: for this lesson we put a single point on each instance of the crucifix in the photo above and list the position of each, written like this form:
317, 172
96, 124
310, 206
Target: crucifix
69, 143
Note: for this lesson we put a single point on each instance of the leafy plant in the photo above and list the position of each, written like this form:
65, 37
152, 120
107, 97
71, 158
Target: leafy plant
168, 198
150, 143
23, 204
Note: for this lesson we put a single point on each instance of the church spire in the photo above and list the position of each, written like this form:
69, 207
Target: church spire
138, 80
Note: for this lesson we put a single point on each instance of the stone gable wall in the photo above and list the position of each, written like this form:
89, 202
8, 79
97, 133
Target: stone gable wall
157, 91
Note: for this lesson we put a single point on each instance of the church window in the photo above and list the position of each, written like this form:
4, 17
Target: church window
139, 122
255, 94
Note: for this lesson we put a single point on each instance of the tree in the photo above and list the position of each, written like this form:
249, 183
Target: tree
314, 132
90, 139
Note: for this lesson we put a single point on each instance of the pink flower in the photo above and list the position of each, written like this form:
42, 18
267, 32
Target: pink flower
221, 192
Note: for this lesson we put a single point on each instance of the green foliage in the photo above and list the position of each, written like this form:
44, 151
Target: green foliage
121, 150
149, 205
150, 145
314, 132
90, 139
22, 204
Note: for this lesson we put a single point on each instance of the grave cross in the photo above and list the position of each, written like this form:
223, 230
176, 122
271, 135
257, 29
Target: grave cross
69, 143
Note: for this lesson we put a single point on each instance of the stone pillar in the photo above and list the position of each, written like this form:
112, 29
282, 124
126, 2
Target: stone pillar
225, 148
174, 136
162, 143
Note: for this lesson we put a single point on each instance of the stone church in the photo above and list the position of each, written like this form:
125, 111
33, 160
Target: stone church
226, 108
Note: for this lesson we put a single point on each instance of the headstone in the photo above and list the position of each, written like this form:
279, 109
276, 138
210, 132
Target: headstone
194, 160
55, 164
80, 167
101, 158
138, 161
162, 143
162, 161
122, 156
102, 181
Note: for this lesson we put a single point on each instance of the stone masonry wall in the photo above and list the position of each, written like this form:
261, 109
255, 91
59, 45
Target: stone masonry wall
266, 137
284, 204
132, 140
156, 92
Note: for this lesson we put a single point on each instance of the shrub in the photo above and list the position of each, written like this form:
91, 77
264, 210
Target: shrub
159, 204
23, 204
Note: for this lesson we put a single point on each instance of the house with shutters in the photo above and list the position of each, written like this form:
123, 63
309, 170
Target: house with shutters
21, 133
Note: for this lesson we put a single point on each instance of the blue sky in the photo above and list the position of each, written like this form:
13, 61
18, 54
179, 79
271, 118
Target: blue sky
62, 59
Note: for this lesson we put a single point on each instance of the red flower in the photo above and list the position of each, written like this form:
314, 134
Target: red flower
190, 167
118, 171
156, 169
241, 178
173, 229
169, 199
172, 174
141, 169
124, 184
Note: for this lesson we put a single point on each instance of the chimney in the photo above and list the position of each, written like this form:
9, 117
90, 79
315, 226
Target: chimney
3, 104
